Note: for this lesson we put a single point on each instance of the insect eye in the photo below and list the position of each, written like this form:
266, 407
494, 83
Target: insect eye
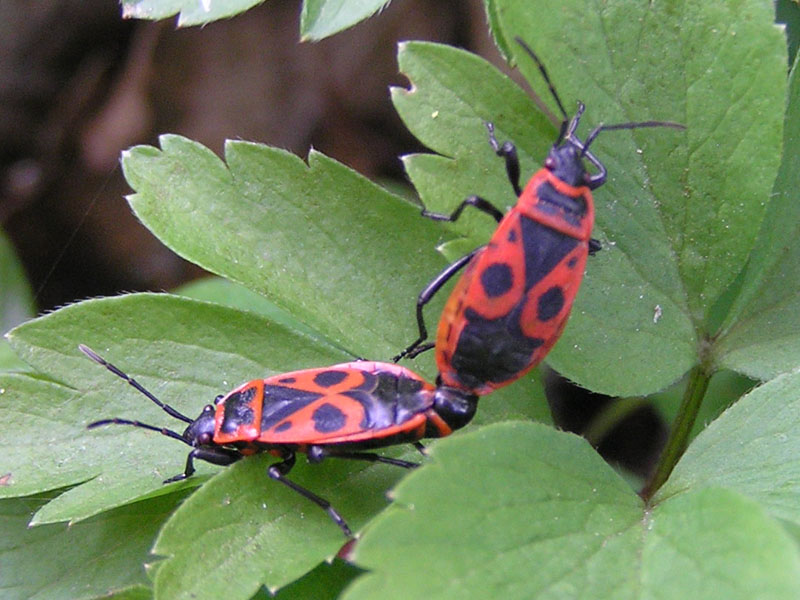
550, 163
218, 398
208, 409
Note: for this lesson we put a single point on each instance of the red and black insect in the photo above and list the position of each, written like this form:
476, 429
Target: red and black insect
336, 411
513, 300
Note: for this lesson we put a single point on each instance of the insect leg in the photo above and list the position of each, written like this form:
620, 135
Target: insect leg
318, 453
425, 296
215, 456
476, 201
509, 152
278, 472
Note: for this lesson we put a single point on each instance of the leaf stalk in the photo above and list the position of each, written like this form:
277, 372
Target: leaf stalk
699, 379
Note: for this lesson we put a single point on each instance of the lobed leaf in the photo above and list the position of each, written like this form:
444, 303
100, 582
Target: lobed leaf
761, 337
322, 18
190, 12
102, 556
318, 240
16, 301
523, 511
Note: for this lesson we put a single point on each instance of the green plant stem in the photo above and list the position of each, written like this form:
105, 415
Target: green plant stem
676, 444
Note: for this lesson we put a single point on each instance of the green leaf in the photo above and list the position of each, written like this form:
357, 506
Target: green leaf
233, 295
453, 93
94, 558
165, 342
258, 532
762, 337
16, 301
494, 502
680, 211
323, 18
192, 12
324, 244
752, 449
319, 18
138, 592
713, 543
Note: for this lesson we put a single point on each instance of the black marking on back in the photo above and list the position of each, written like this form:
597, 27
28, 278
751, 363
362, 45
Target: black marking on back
492, 350
551, 200
237, 410
328, 418
544, 249
329, 378
283, 427
391, 400
496, 350
281, 402
550, 303
287, 380
512, 235
572, 262
497, 279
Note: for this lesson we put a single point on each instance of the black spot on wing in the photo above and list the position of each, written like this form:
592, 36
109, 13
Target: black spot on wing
544, 249
550, 303
283, 426
328, 418
497, 279
237, 410
287, 380
512, 235
281, 402
329, 378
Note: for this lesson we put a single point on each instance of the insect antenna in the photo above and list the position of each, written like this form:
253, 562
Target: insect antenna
119, 373
161, 430
568, 126
546, 77
633, 125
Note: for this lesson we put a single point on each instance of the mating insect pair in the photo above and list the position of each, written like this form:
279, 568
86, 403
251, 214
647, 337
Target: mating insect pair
503, 316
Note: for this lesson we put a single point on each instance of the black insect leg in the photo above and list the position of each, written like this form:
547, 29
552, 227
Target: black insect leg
215, 456
509, 152
476, 201
278, 472
318, 453
424, 297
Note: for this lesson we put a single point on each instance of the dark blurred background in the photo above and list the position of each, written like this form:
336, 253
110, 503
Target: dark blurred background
78, 84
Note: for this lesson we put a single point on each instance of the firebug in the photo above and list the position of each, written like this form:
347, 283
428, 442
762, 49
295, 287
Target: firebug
513, 300
338, 411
